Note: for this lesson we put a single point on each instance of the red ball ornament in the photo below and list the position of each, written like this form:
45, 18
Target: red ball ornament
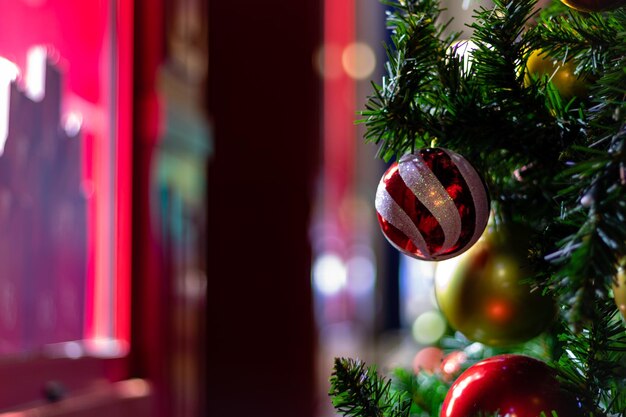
432, 204
452, 364
428, 359
513, 385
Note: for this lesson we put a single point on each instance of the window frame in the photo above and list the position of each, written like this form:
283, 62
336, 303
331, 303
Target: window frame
107, 330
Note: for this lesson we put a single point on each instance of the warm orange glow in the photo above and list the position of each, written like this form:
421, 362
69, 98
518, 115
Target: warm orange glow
327, 61
499, 310
133, 388
452, 363
358, 60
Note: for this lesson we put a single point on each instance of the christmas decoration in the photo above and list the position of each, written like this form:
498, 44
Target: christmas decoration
594, 5
428, 359
513, 385
554, 164
432, 204
463, 50
429, 327
562, 75
485, 296
619, 291
452, 364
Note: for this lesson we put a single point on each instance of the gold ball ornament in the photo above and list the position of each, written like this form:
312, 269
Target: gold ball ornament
485, 296
619, 291
594, 5
561, 74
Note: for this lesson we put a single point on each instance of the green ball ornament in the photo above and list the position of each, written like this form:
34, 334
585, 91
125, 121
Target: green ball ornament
485, 297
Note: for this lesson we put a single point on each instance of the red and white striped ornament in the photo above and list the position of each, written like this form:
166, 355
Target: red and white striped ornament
432, 204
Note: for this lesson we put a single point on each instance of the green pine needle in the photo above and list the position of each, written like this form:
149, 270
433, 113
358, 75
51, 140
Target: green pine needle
427, 390
556, 165
359, 391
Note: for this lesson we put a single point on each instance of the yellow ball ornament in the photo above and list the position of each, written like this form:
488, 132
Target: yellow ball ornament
593, 5
485, 295
561, 74
619, 291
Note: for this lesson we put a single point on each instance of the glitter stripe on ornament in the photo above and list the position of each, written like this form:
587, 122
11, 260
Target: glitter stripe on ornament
452, 180
473, 180
389, 210
428, 189
423, 219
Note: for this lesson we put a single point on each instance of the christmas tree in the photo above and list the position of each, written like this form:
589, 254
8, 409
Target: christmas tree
528, 127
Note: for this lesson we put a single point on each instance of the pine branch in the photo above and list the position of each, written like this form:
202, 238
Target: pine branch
556, 165
593, 365
399, 115
427, 390
526, 126
589, 254
359, 391
596, 43
589, 39
498, 33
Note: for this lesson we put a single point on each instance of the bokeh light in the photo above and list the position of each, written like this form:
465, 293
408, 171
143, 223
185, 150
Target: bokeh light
329, 274
429, 327
358, 60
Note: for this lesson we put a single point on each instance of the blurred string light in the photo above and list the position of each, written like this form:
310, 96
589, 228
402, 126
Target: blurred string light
357, 60
329, 274
416, 287
327, 61
361, 274
429, 327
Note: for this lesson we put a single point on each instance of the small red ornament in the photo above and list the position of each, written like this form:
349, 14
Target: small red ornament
432, 204
428, 360
513, 385
452, 364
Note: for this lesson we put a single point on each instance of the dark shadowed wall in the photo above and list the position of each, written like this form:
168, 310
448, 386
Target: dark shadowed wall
264, 100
